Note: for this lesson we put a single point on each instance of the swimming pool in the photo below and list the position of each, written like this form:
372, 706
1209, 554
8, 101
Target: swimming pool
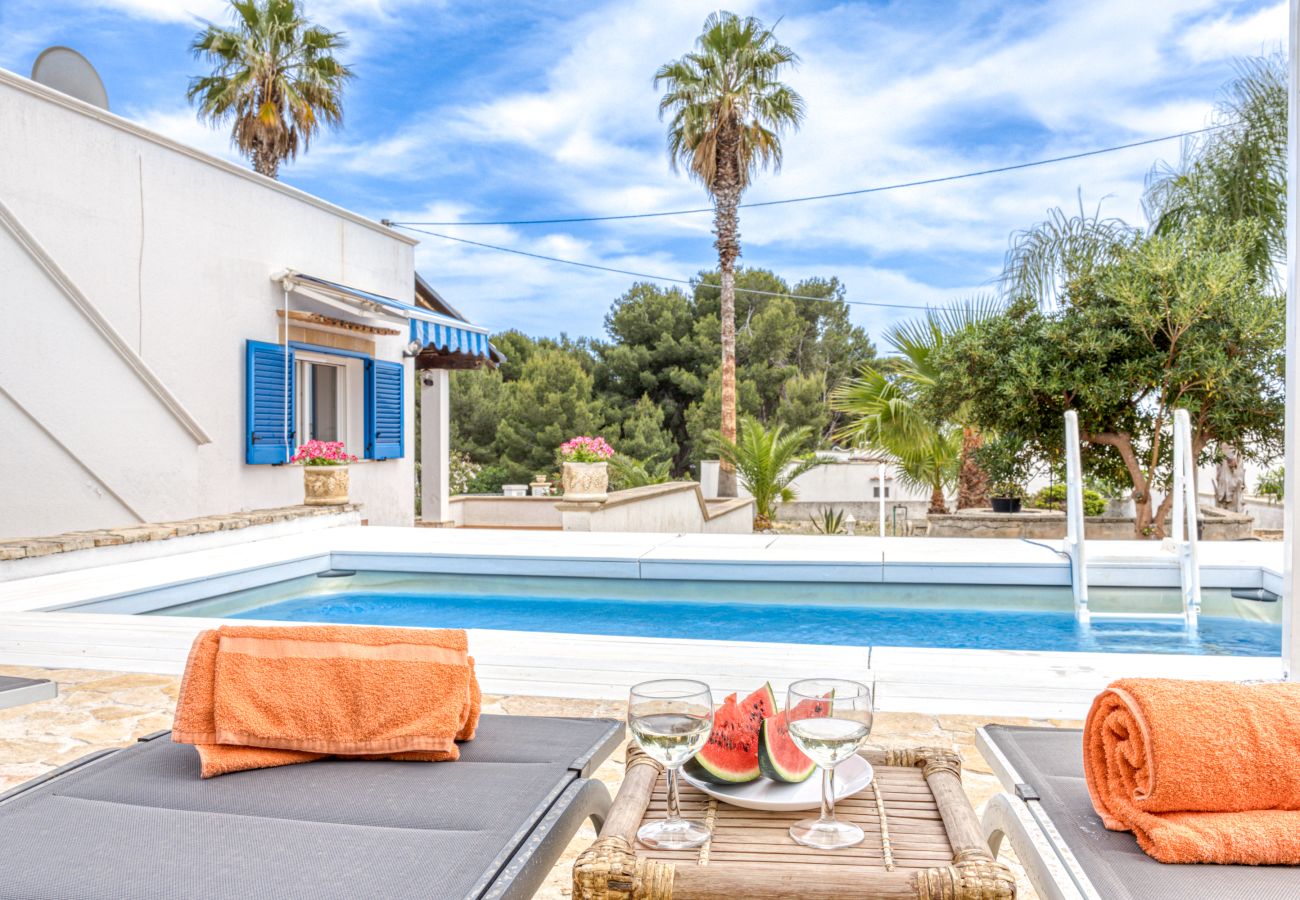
901, 615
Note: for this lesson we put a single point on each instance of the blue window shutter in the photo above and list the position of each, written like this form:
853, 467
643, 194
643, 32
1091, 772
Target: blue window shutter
385, 420
269, 421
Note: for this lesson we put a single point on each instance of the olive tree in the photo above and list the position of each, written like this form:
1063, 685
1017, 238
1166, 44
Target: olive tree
1173, 320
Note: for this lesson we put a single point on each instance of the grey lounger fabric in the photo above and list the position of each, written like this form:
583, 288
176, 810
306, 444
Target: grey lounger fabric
139, 822
1050, 761
17, 691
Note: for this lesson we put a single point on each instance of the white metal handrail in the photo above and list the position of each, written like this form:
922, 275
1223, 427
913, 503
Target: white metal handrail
1074, 537
1184, 532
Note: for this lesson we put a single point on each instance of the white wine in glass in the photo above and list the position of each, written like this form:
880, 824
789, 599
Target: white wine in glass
829, 719
671, 720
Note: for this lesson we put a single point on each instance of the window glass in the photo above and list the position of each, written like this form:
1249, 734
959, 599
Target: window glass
321, 389
324, 425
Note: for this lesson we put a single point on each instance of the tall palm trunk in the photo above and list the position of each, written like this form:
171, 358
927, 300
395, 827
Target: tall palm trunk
726, 198
265, 162
972, 481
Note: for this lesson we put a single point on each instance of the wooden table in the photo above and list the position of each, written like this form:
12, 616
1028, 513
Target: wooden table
923, 843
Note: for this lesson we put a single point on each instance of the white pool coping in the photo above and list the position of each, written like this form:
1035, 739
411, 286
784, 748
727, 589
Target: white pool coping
977, 682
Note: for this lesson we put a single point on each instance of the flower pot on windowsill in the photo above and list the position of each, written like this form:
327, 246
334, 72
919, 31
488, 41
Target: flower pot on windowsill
325, 485
1006, 504
586, 481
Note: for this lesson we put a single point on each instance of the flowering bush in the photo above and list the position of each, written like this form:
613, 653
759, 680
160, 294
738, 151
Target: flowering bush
461, 472
586, 450
322, 453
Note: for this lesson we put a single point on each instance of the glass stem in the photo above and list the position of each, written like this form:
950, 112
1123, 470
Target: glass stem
674, 812
828, 795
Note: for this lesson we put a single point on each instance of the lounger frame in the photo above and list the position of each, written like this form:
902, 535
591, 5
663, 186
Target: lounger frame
1017, 815
523, 865
18, 691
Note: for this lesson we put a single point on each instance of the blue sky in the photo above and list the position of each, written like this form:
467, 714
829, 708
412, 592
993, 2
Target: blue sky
484, 111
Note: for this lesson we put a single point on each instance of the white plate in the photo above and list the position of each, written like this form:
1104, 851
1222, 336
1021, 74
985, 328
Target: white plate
851, 777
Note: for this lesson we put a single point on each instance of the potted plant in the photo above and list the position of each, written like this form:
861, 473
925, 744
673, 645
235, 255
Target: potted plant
586, 470
324, 472
1004, 459
1006, 496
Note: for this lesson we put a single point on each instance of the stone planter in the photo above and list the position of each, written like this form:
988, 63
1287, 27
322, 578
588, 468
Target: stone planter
586, 481
325, 485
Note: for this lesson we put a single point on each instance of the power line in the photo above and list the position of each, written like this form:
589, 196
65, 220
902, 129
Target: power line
871, 190
667, 278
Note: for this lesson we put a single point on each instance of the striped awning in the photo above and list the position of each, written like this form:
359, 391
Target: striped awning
430, 329
449, 338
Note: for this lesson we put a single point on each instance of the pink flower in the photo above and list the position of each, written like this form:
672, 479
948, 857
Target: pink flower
322, 453
586, 449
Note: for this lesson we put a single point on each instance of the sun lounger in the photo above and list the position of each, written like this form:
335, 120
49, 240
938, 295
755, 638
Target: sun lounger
139, 822
1068, 854
17, 691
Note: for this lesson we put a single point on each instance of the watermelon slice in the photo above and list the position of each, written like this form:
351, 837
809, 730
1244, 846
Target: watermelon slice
778, 757
731, 755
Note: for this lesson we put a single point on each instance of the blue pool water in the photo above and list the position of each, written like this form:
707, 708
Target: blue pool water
956, 616
883, 626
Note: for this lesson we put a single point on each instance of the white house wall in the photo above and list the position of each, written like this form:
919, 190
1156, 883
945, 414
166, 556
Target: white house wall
175, 251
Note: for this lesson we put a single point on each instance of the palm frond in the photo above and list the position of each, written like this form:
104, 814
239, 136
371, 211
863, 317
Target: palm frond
1045, 258
275, 76
767, 461
726, 97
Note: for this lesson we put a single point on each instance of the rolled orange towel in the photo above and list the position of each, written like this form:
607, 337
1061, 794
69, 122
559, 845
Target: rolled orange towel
1199, 771
260, 696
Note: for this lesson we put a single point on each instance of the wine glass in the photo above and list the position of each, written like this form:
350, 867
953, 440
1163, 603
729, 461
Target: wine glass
829, 718
671, 720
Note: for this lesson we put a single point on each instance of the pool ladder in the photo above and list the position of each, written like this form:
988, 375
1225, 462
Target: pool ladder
1183, 539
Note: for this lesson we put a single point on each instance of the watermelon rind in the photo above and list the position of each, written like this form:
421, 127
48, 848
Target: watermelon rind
735, 733
768, 754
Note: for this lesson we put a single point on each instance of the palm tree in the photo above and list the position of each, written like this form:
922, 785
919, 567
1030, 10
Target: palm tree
934, 465
767, 460
1237, 171
888, 411
728, 110
274, 75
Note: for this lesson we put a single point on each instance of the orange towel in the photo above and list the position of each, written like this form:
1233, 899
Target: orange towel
259, 696
1199, 771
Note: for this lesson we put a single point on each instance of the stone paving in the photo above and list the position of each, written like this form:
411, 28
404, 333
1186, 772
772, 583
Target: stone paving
97, 710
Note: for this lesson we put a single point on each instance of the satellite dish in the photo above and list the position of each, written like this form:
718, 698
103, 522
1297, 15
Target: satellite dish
68, 72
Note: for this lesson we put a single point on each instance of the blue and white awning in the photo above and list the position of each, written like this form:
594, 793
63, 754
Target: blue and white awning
449, 338
427, 328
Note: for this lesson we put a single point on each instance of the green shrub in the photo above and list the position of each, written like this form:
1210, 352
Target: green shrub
488, 480
626, 472
1270, 484
1053, 497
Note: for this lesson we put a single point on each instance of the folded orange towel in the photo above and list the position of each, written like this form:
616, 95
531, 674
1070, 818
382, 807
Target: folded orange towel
1199, 771
260, 696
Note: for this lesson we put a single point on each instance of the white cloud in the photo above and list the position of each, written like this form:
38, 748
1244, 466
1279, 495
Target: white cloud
181, 124
165, 10
1226, 36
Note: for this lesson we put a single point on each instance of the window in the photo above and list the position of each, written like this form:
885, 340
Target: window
330, 396
875, 492
321, 407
